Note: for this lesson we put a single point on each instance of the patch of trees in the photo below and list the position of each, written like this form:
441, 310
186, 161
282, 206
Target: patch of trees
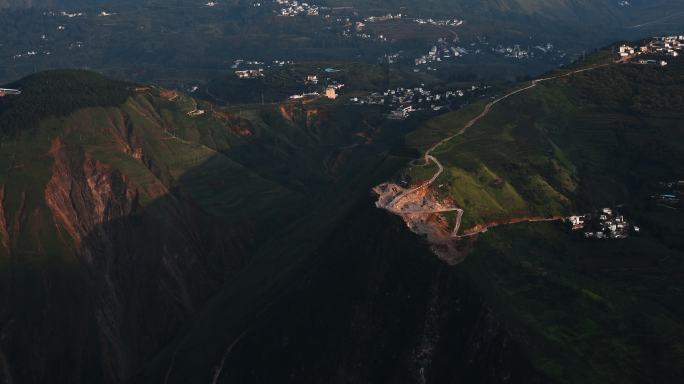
57, 94
635, 88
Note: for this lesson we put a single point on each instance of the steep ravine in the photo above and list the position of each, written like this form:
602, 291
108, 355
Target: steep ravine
129, 255
372, 305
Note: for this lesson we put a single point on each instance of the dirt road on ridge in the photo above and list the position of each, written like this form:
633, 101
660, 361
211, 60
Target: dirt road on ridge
427, 157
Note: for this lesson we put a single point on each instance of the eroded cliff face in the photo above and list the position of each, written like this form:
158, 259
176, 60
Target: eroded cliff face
94, 282
84, 193
120, 217
300, 114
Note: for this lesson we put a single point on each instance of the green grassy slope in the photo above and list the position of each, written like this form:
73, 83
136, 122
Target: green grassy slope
588, 312
90, 112
563, 146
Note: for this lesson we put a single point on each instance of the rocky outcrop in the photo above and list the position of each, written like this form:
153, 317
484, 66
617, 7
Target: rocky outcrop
146, 269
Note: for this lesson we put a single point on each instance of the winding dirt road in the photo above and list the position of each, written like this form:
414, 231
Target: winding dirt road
428, 157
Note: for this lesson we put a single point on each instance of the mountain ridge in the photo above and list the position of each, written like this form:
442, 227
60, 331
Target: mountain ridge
142, 208
147, 236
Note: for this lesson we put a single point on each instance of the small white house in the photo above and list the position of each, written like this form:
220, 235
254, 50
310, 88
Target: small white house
626, 50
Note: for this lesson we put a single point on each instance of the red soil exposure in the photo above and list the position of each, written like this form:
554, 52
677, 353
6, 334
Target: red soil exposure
167, 94
483, 227
236, 124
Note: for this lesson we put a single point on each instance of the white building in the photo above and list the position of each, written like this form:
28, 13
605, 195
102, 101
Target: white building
626, 50
577, 222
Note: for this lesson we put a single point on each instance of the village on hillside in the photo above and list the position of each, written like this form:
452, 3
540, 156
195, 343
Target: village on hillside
608, 223
653, 52
328, 89
449, 49
294, 8
404, 101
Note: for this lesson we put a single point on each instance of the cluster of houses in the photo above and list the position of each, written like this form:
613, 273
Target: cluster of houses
604, 224
428, 21
329, 90
442, 50
389, 16
348, 32
246, 63
246, 69
660, 46
440, 22
71, 15
311, 80
250, 73
404, 101
390, 58
294, 8
29, 54
329, 93
356, 29
671, 195
516, 51
513, 52
445, 50
33, 53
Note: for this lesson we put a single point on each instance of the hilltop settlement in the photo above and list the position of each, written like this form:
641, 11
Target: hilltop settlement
653, 52
608, 223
